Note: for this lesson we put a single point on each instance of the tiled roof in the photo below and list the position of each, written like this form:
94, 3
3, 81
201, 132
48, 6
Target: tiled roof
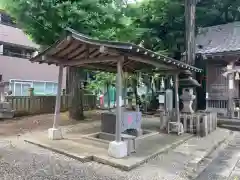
219, 39
76, 49
15, 36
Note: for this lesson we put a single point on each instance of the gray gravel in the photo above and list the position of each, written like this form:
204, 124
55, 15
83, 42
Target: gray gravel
23, 161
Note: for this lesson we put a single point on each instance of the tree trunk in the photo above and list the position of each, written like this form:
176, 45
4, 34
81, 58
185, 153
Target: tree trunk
76, 93
135, 92
108, 98
125, 78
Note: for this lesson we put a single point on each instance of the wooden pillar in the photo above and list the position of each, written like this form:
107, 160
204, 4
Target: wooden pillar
58, 98
176, 84
230, 79
119, 100
207, 85
118, 148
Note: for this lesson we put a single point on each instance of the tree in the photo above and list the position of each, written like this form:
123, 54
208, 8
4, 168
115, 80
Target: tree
215, 12
103, 80
163, 21
155, 24
45, 20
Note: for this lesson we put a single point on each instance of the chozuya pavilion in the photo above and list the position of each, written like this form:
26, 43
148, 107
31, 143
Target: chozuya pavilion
75, 49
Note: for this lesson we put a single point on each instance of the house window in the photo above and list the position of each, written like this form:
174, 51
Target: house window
41, 88
15, 51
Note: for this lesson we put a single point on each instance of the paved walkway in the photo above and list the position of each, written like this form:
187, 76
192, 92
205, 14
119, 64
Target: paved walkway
226, 166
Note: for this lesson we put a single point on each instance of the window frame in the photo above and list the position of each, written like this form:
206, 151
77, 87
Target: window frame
31, 83
11, 51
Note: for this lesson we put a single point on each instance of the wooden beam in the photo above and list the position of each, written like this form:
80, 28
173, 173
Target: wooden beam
162, 72
69, 49
94, 53
151, 62
78, 62
99, 67
78, 52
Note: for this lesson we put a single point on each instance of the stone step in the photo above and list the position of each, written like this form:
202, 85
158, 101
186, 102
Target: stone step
228, 121
92, 143
231, 127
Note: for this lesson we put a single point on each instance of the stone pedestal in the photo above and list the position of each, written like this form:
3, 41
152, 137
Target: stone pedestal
5, 107
169, 101
118, 149
6, 111
187, 98
129, 103
55, 134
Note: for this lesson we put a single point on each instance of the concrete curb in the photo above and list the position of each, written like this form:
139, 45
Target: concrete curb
102, 160
63, 152
130, 167
207, 157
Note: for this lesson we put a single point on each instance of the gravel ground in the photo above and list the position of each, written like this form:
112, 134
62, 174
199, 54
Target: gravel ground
23, 161
22, 125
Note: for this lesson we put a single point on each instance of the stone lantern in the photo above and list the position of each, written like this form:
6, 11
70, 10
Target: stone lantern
187, 97
129, 98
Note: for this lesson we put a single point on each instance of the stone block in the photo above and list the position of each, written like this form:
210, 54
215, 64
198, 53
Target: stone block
6, 111
6, 114
117, 149
55, 134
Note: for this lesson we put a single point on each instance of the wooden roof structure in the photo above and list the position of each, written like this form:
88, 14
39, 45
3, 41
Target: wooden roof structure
79, 50
219, 41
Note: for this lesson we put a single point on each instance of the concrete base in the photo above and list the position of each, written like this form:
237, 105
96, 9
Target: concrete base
117, 149
55, 134
6, 114
139, 132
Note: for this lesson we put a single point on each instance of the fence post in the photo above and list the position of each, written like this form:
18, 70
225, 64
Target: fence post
64, 105
31, 100
198, 128
63, 92
205, 125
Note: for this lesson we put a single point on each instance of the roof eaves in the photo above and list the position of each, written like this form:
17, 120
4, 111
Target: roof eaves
117, 45
160, 57
219, 53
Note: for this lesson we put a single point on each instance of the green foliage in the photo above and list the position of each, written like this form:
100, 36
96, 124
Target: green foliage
101, 80
164, 22
215, 12
155, 24
45, 20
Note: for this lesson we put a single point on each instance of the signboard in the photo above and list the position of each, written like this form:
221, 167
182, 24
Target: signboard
230, 85
161, 99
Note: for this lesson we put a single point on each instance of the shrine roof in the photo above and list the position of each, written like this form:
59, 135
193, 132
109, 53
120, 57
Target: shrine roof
76, 49
219, 39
